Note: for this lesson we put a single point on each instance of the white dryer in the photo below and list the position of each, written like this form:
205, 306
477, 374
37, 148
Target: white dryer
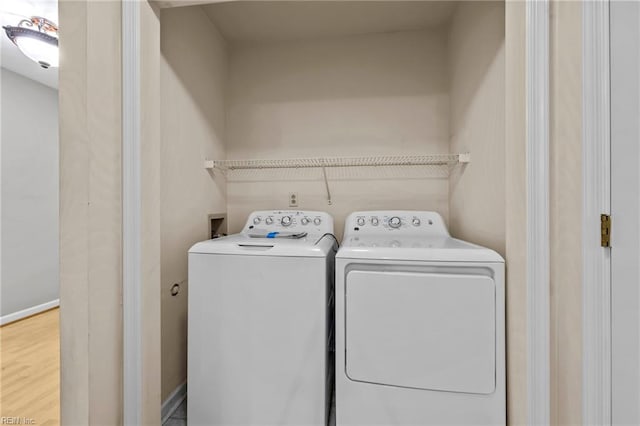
420, 330
260, 313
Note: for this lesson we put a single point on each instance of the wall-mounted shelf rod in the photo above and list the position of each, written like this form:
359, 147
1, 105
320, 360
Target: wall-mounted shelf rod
374, 161
438, 160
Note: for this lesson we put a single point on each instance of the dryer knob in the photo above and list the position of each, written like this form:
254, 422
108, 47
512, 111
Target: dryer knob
360, 221
257, 220
374, 221
285, 221
304, 221
269, 220
395, 222
317, 221
416, 221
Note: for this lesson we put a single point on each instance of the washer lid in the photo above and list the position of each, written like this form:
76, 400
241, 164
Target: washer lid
309, 246
421, 330
437, 249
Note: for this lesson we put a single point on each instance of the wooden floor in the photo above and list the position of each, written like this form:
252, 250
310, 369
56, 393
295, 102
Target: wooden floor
30, 377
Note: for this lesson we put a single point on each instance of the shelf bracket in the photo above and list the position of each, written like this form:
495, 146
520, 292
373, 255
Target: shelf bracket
326, 184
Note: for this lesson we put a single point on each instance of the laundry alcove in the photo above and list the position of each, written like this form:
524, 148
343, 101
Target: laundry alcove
277, 81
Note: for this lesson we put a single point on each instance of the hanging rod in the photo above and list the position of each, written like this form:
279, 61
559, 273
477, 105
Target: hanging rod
299, 163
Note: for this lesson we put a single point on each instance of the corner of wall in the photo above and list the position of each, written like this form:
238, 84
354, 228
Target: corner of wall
477, 120
515, 219
194, 62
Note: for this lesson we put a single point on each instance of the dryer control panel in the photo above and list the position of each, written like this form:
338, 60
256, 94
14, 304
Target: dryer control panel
311, 222
397, 222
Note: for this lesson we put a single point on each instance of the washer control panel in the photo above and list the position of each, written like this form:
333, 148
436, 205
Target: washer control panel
311, 222
399, 222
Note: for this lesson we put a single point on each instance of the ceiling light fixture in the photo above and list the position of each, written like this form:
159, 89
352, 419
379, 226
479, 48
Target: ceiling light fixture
37, 38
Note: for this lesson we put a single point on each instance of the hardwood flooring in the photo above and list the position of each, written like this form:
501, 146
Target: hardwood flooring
30, 375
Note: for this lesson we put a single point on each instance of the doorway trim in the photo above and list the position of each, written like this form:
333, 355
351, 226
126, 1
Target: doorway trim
596, 176
131, 215
538, 249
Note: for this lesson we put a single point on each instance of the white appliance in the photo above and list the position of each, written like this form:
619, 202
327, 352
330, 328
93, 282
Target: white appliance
260, 311
420, 331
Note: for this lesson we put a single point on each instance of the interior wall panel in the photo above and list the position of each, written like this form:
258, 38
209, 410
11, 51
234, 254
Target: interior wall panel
150, 180
193, 75
30, 232
376, 94
90, 106
566, 212
477, 123
515, 211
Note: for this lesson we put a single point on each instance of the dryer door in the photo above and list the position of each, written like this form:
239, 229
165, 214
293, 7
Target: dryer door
433, 331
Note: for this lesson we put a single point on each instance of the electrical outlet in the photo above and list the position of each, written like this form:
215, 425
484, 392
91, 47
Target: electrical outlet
293, 199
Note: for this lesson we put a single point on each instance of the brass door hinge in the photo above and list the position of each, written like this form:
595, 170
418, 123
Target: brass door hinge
605, 230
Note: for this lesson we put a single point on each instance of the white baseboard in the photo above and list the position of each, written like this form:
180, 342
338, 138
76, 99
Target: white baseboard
173, 401
6, 319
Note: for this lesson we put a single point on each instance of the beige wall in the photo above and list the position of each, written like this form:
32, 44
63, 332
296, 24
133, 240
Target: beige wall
516, 219
193, 79
381, 94
477, 85
90, 213
566, 212
150, 116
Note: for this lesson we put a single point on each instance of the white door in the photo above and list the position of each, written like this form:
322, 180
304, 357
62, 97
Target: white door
625, 211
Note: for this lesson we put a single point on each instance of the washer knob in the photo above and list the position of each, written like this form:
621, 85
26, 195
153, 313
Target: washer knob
416, 221
360, 221
395, 222
304, 221
285, 221
269, 220
317, 221
257, 220
374, 221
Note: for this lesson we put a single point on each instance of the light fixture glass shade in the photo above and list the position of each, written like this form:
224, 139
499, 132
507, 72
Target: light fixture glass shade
42, 52
39, 44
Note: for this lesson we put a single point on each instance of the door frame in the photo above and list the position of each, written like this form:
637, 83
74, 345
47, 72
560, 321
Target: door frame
537, 209
132, 303
596, 181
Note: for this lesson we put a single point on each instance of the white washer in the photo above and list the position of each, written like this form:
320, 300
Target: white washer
260, 311
420, 331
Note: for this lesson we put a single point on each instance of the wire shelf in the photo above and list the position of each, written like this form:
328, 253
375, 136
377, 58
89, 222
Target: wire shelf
375, 161
443, 161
